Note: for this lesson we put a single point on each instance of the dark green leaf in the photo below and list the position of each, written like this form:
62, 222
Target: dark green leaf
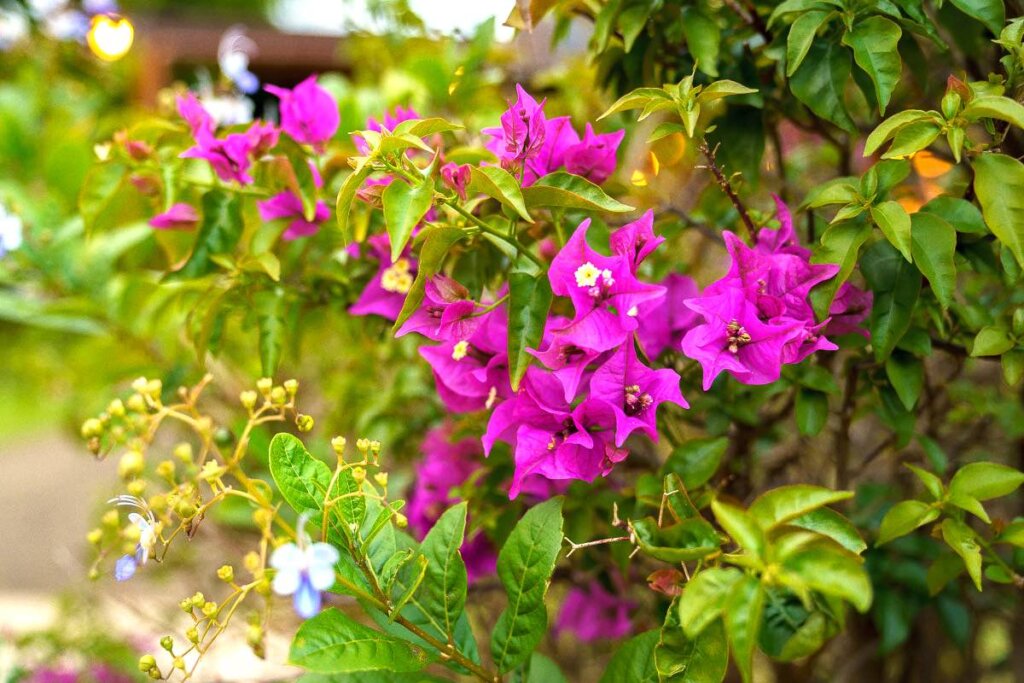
301, 478
528, 306
894, 222
497, 183
525, 564
840, 244
991, 341
690, 539
830, 523
703, 37
332, 642
873, 41
743, 609
999, 185
218, 234
811, 411
989, 12
934, 245
443, 592
820, 83
896, 285
801, 35
565, 190
633, 661
697, 460
906, 374
347, 194
679, 659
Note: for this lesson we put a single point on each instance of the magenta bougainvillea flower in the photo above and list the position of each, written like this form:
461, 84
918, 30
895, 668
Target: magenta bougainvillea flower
230, 156
783, 240
456, 177
590, 612
663, 322
733, 338
634, 392
288, 205
523, 127
604, 291
385, 293
636, 240
445, 467
567, 362
850, 308
309, 113
594, 156
472, 373
550, 437
446, 314
179, 217
559, 136
195, 115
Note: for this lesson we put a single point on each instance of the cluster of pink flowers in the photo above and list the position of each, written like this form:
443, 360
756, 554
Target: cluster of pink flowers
528, 142
758, 317
309, 115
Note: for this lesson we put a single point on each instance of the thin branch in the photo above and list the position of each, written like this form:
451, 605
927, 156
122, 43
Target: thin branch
723, 182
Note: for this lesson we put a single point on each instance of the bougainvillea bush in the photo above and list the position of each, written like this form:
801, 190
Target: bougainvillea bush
709, 369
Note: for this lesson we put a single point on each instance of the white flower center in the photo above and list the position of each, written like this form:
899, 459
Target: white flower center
587, 274
460, 350
397, 277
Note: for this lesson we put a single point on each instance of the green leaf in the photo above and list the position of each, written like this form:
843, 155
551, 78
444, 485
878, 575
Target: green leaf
999, 185
912, 138
743, 609
443, 591
931, 482
820, 83
1013, 534
99, 189
942, 571
784, 503
904, 517
437, 240
894, 223
873, 42
301, 478
961, 538
970, 505
525, 564
404, 207
896, 285
835, 191
347, 194
906, 374
933, 243
633, 661
690, 539
679, 659
830, 523
992, 13
332, 642
565, 190
703, 37
840, 244
1013, 366
833, 571
991, 341
888, 128
811, 411
218, 234
740, 526
269, 306
995, 107
697, 460
497, 183
541, 669
637, 99
723, 88
704, 598
985, 480
801, 35
421, 128
528, 305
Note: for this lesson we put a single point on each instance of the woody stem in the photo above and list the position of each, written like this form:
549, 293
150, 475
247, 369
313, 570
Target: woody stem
723, 182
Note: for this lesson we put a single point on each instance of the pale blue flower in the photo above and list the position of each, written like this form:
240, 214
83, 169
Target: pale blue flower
304, 570
10, 231
233, 54
126, 565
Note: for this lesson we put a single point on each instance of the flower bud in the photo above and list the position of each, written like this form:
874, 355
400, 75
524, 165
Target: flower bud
94, 573
198, 600
263, 587
110, 518
226, 573
155, 674
139, 385
146, 662
304, 422
359, 474
91, 427
179, 663
136, 487
167, 643
192, 634
116, 408
338, 443
248, 399
278, 396
264, 385
185, 509
165, 470
375, 448
131, 464
381, 478
401, 521
254, 635
291, 386
158, 503
186, 606
363, 445
153, 388
94, 536
950, 105
252, 562
183, 452
136, 403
